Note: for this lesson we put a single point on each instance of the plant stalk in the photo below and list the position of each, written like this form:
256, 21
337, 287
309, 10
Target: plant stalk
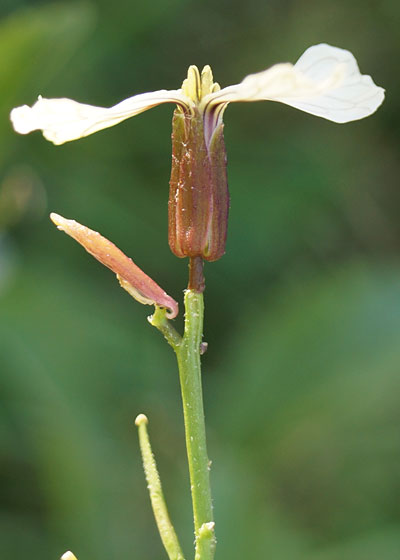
188, 355
164, 525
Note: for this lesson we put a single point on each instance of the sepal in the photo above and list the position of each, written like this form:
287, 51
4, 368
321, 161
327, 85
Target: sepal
198, 197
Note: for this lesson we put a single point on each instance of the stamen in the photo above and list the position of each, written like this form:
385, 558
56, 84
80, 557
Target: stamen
191, 87
207, 82
195, 87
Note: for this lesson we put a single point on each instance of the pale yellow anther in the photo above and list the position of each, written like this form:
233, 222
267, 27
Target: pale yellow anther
196, 87
207, 81
191, 87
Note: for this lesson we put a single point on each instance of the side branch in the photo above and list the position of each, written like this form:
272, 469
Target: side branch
165, 527
160, 321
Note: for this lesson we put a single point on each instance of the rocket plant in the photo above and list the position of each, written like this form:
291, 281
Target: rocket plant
325, 82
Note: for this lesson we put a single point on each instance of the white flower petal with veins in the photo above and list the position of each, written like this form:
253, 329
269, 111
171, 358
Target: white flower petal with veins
63, 120
325, 82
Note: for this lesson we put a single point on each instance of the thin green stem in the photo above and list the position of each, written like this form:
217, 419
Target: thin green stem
188, 350
165, 527
188, 355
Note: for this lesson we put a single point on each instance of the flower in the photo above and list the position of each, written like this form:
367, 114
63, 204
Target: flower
325, 82
131, 277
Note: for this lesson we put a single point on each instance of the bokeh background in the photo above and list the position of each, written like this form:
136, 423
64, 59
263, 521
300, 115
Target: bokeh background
302, 375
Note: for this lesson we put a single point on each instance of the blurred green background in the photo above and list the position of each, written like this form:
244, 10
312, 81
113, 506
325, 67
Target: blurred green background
301, 379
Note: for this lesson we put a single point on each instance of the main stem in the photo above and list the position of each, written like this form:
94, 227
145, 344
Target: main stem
188, 354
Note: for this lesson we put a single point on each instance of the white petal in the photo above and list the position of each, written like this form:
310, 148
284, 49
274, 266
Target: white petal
62, 120
325, 81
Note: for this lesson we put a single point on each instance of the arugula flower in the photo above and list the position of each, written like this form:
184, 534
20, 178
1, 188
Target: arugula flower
325, 82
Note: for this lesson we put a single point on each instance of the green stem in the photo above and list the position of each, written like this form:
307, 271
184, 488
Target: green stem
165, 527
188, 350
188, 355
